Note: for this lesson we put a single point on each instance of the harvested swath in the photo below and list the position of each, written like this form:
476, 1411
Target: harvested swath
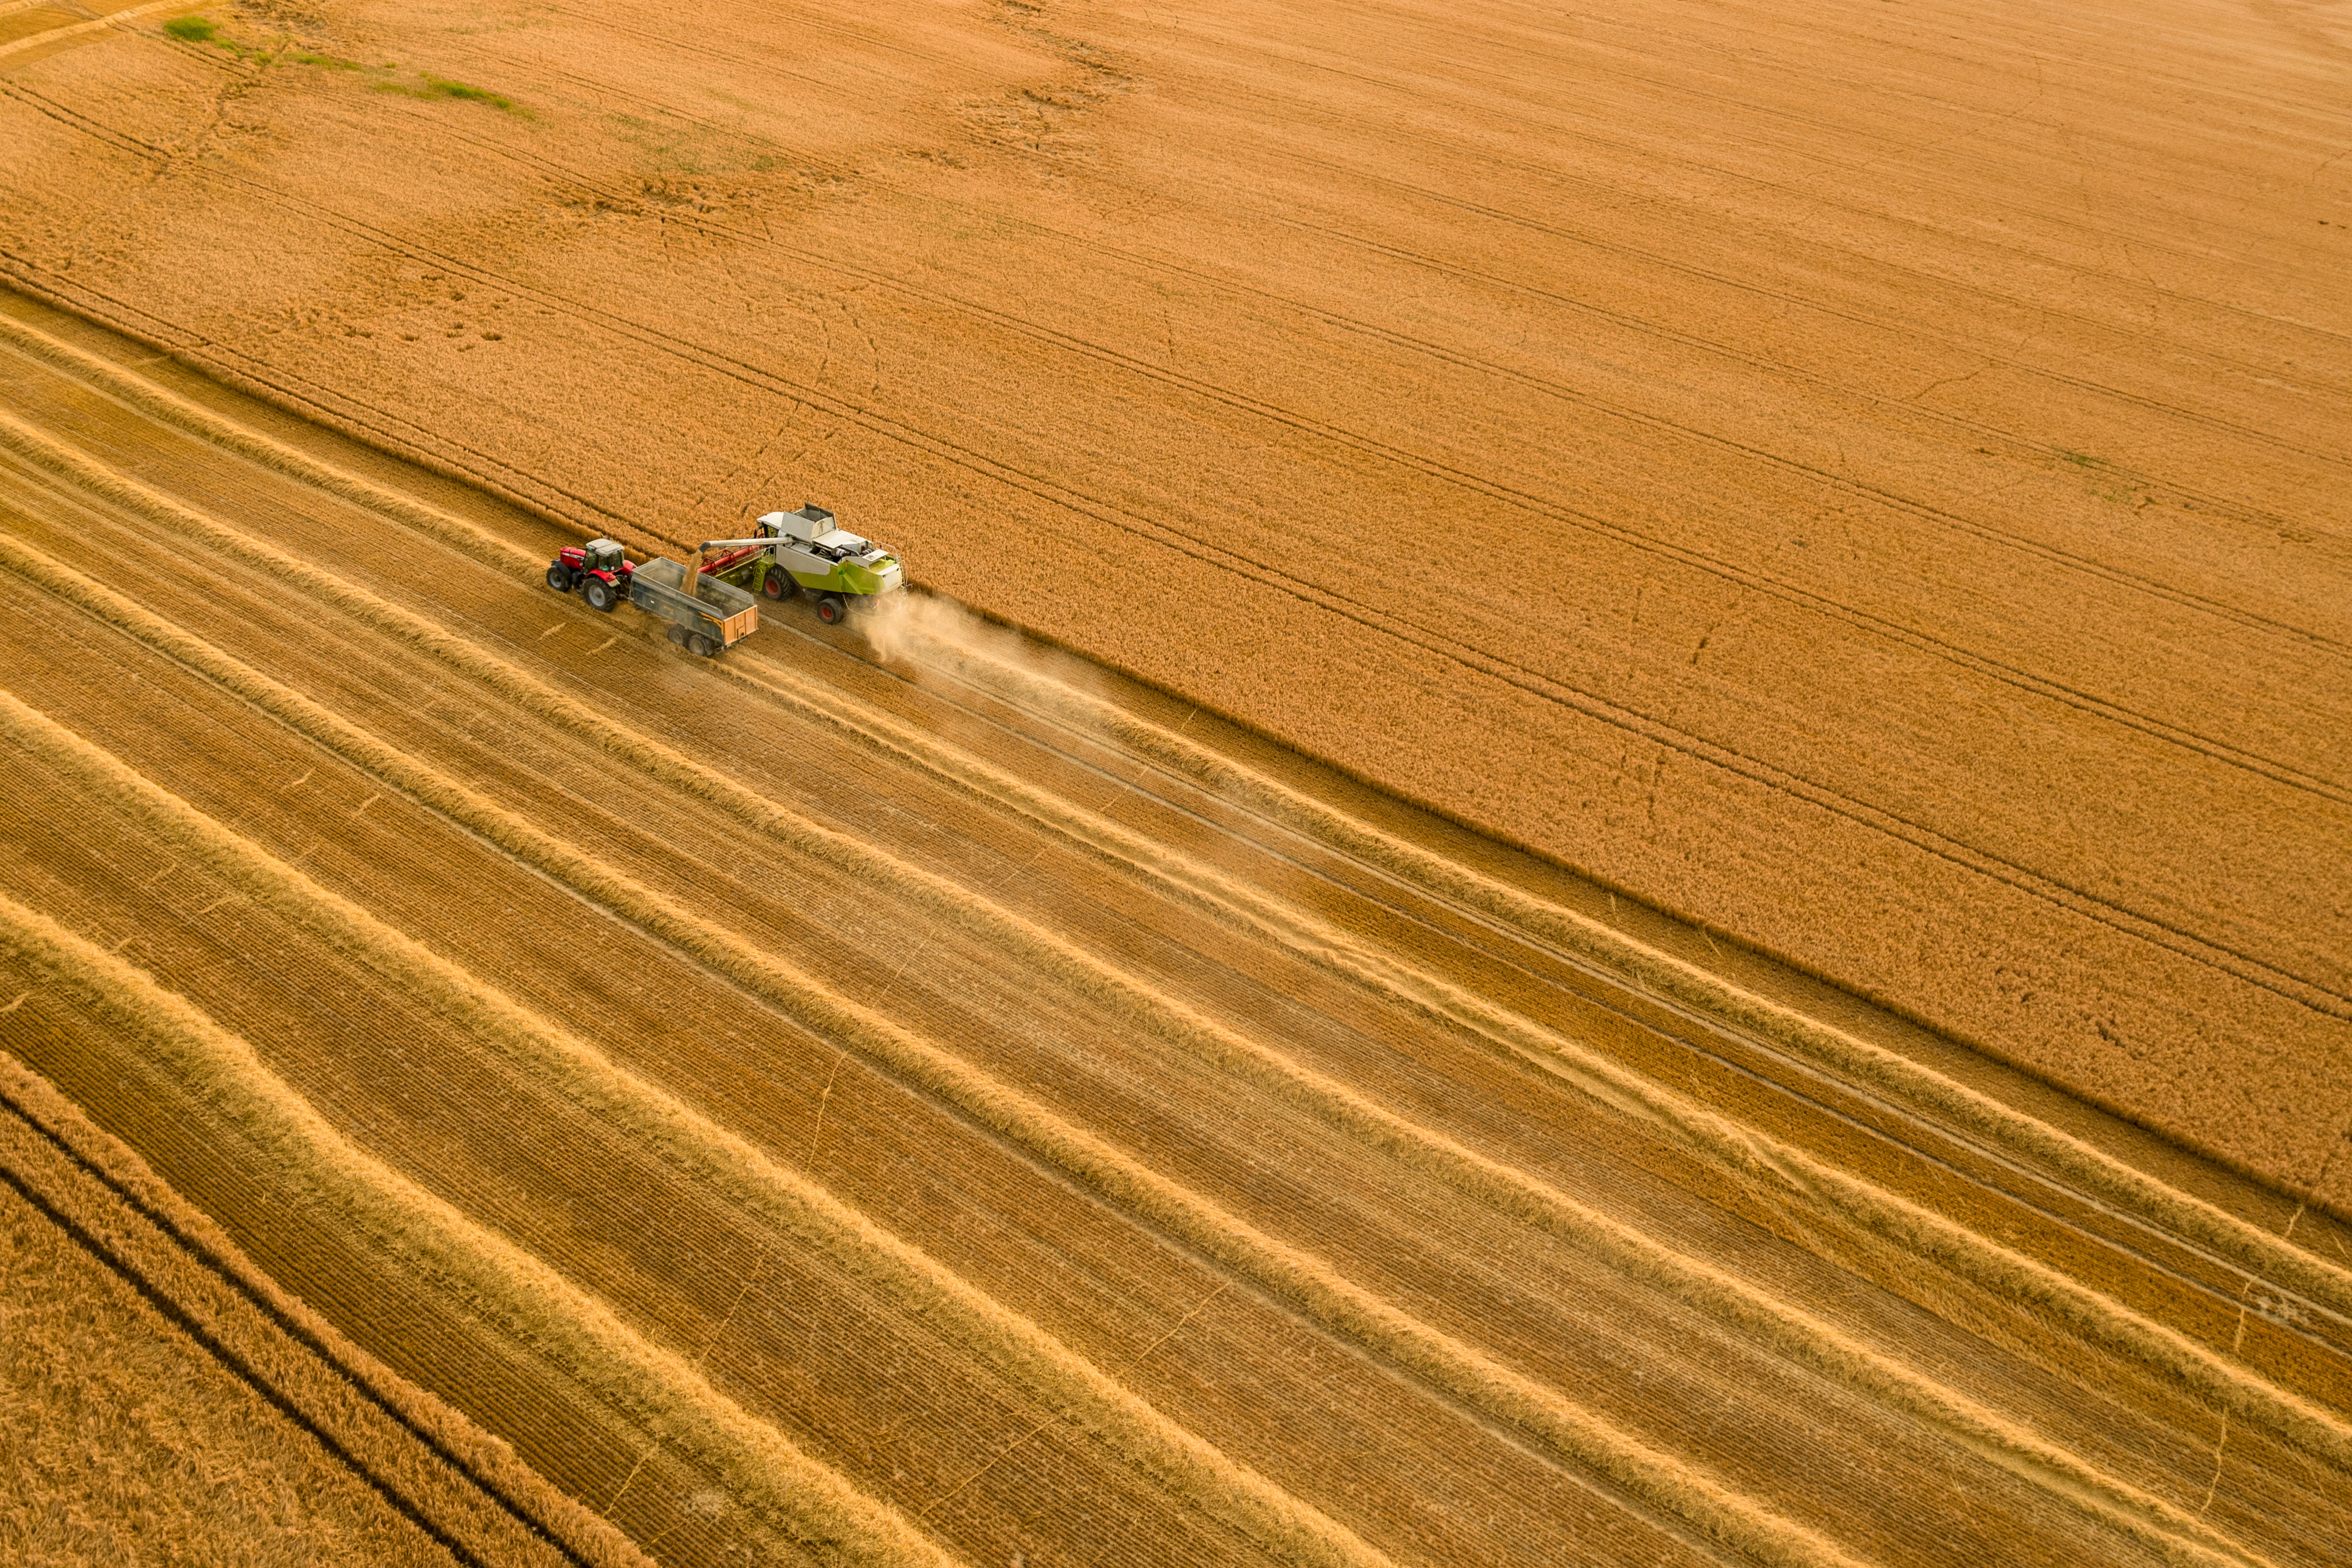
2257, 1250
327, 1412
793, 1495
709, 1157
1799, 1175
1307, 1283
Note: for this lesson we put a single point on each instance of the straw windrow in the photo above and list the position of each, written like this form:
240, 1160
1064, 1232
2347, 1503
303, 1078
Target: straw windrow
708, 1156
654, 1390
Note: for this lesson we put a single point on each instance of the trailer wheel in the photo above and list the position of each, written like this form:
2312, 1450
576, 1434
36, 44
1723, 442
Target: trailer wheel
600, 594
830, 609
559, 577
778, 584
699, 646
678, 636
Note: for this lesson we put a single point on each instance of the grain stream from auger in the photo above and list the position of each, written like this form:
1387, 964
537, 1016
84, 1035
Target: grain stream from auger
953, 1101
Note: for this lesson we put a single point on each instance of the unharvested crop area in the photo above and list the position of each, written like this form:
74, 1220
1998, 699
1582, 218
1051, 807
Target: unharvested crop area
1714, 932
924, 1099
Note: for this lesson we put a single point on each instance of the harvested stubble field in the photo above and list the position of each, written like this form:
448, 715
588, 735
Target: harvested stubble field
931, 1099
1868, 483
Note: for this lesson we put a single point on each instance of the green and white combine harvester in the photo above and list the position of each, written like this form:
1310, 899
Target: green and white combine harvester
804, 552
792, 553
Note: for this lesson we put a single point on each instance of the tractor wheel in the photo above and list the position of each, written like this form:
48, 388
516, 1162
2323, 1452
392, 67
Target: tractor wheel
778, 584
559, 577
701, 647
829, 610
600, 594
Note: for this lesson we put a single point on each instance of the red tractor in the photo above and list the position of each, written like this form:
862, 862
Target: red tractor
596, 568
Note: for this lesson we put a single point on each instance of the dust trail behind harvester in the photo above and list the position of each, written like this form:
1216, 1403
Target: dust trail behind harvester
945, 641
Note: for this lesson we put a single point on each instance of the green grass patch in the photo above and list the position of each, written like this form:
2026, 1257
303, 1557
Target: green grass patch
205, 30
441, 87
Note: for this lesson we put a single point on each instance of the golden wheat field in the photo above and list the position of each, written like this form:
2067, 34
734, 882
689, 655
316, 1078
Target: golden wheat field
1612, 828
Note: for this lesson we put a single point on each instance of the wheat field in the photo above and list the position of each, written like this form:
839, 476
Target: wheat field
1611, 828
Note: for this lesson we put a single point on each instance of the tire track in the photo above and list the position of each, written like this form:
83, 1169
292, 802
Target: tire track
1713, 172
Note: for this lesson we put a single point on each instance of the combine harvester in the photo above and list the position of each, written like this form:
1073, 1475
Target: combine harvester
803, 552
793, 552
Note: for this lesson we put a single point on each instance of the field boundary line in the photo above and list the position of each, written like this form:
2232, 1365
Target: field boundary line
1307, 1283
2204, 951
488, 1462
799, 1498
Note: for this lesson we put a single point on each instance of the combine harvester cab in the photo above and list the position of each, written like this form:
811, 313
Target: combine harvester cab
841, 571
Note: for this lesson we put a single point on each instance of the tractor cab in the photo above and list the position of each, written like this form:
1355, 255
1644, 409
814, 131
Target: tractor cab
602, 555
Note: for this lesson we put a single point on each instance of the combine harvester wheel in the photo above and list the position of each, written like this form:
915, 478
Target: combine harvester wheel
829, 610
